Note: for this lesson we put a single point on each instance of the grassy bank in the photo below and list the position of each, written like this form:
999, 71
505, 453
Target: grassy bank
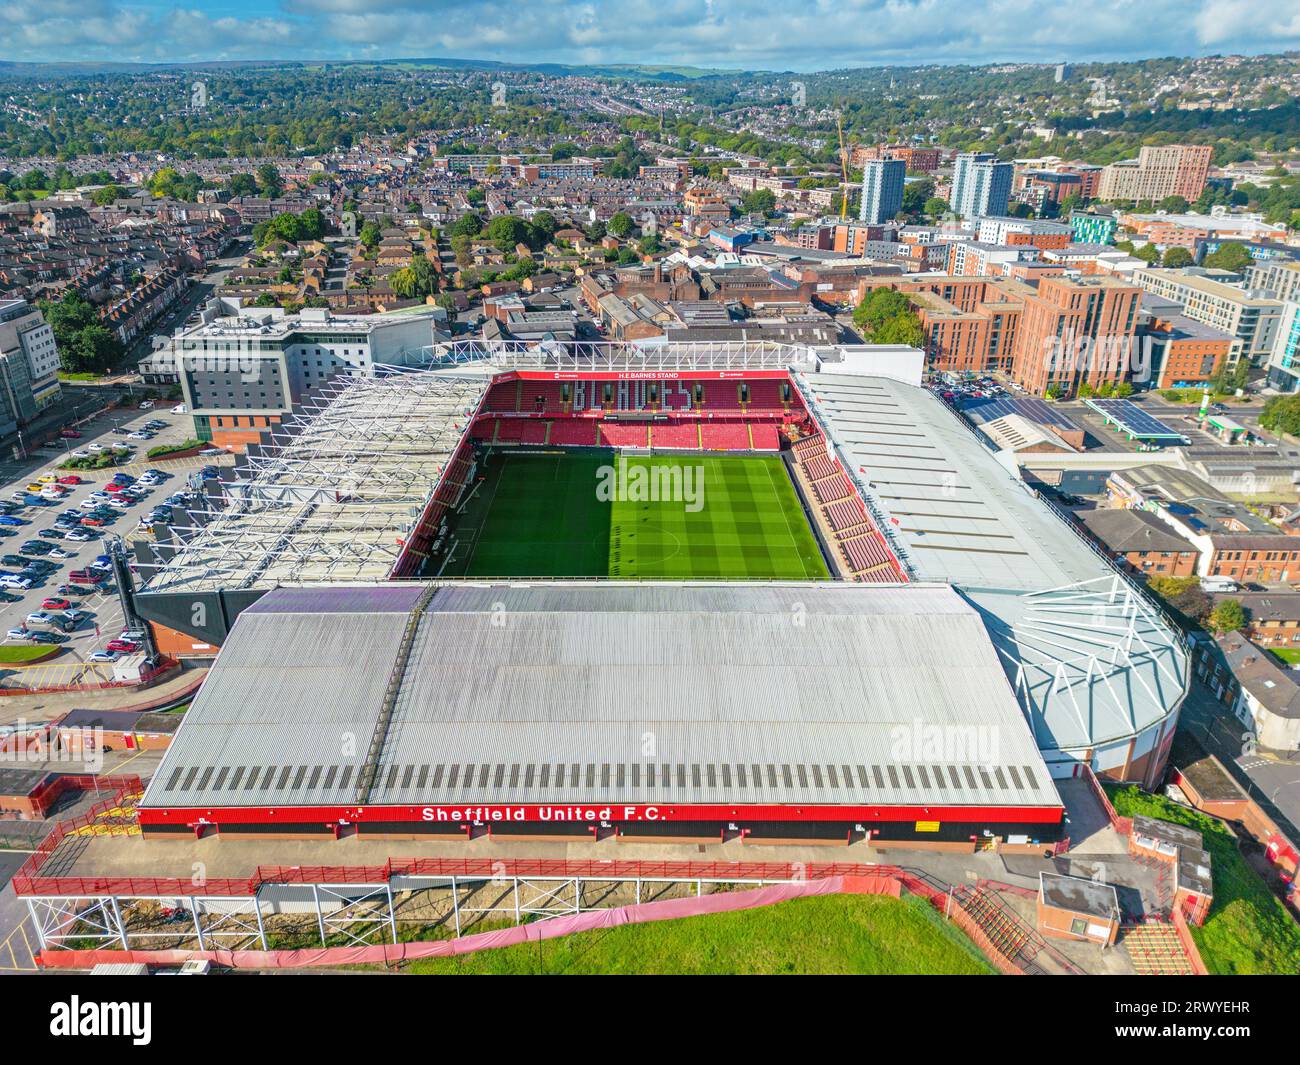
825, 934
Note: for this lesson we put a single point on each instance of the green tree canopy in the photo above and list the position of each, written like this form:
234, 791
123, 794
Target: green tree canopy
1228, 615
1232, 257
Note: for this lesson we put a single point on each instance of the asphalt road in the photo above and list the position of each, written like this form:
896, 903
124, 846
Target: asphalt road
17, 940
104, 608
1271, 776
198, 294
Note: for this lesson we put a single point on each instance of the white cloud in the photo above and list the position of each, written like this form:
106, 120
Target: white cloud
770, 34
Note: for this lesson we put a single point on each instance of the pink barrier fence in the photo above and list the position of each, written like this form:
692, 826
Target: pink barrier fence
666, 910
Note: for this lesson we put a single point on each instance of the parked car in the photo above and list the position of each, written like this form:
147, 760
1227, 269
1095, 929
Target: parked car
39, 618
124, 646
85, 576
14, 580
80, 536
94, 521
70, 434
55, 602
104, 656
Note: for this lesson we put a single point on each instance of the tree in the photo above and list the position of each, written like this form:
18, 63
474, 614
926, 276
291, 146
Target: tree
1281, 414
879, 305
505, 231
545, 224
1177, 256
1228, 616
103, 197
241, 185
917, 194
1174, 204
1148, 253
269, 182
935, 207
415, 281
467, 225
902, 328
370, 235
1184, 594
620, 225
760, 201
1232, 257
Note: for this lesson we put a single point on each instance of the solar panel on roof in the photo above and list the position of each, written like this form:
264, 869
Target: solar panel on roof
1133, 419
980, 411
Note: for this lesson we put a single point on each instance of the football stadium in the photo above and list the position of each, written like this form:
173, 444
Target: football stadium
657, 593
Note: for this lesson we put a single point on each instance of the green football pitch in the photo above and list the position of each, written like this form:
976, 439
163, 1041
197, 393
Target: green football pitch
602, 513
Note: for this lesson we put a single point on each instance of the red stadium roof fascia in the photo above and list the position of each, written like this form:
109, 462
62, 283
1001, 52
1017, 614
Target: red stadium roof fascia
642, 375
592, 813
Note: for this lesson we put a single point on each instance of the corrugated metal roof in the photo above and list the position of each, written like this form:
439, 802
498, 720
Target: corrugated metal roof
568, 692
1095, 662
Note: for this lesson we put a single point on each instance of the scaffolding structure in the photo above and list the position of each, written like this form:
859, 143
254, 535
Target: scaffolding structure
332, 497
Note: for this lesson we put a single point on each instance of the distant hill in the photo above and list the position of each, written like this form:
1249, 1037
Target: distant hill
648, 72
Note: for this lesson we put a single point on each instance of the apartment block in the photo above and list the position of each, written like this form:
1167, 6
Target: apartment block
980, 185
31, 359
1252, 318
882, 190
1157, 172
1075, 331
1021, 232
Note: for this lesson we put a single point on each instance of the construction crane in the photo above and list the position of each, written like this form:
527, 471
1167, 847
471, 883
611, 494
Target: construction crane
844, 165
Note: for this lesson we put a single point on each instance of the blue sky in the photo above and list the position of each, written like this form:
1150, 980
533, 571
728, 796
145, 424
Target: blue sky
767, 34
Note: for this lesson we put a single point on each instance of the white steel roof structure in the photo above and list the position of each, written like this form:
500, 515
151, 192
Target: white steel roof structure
658, 354
334, 495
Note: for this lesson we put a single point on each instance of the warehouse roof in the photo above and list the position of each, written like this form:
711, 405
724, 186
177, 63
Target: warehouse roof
568, 692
